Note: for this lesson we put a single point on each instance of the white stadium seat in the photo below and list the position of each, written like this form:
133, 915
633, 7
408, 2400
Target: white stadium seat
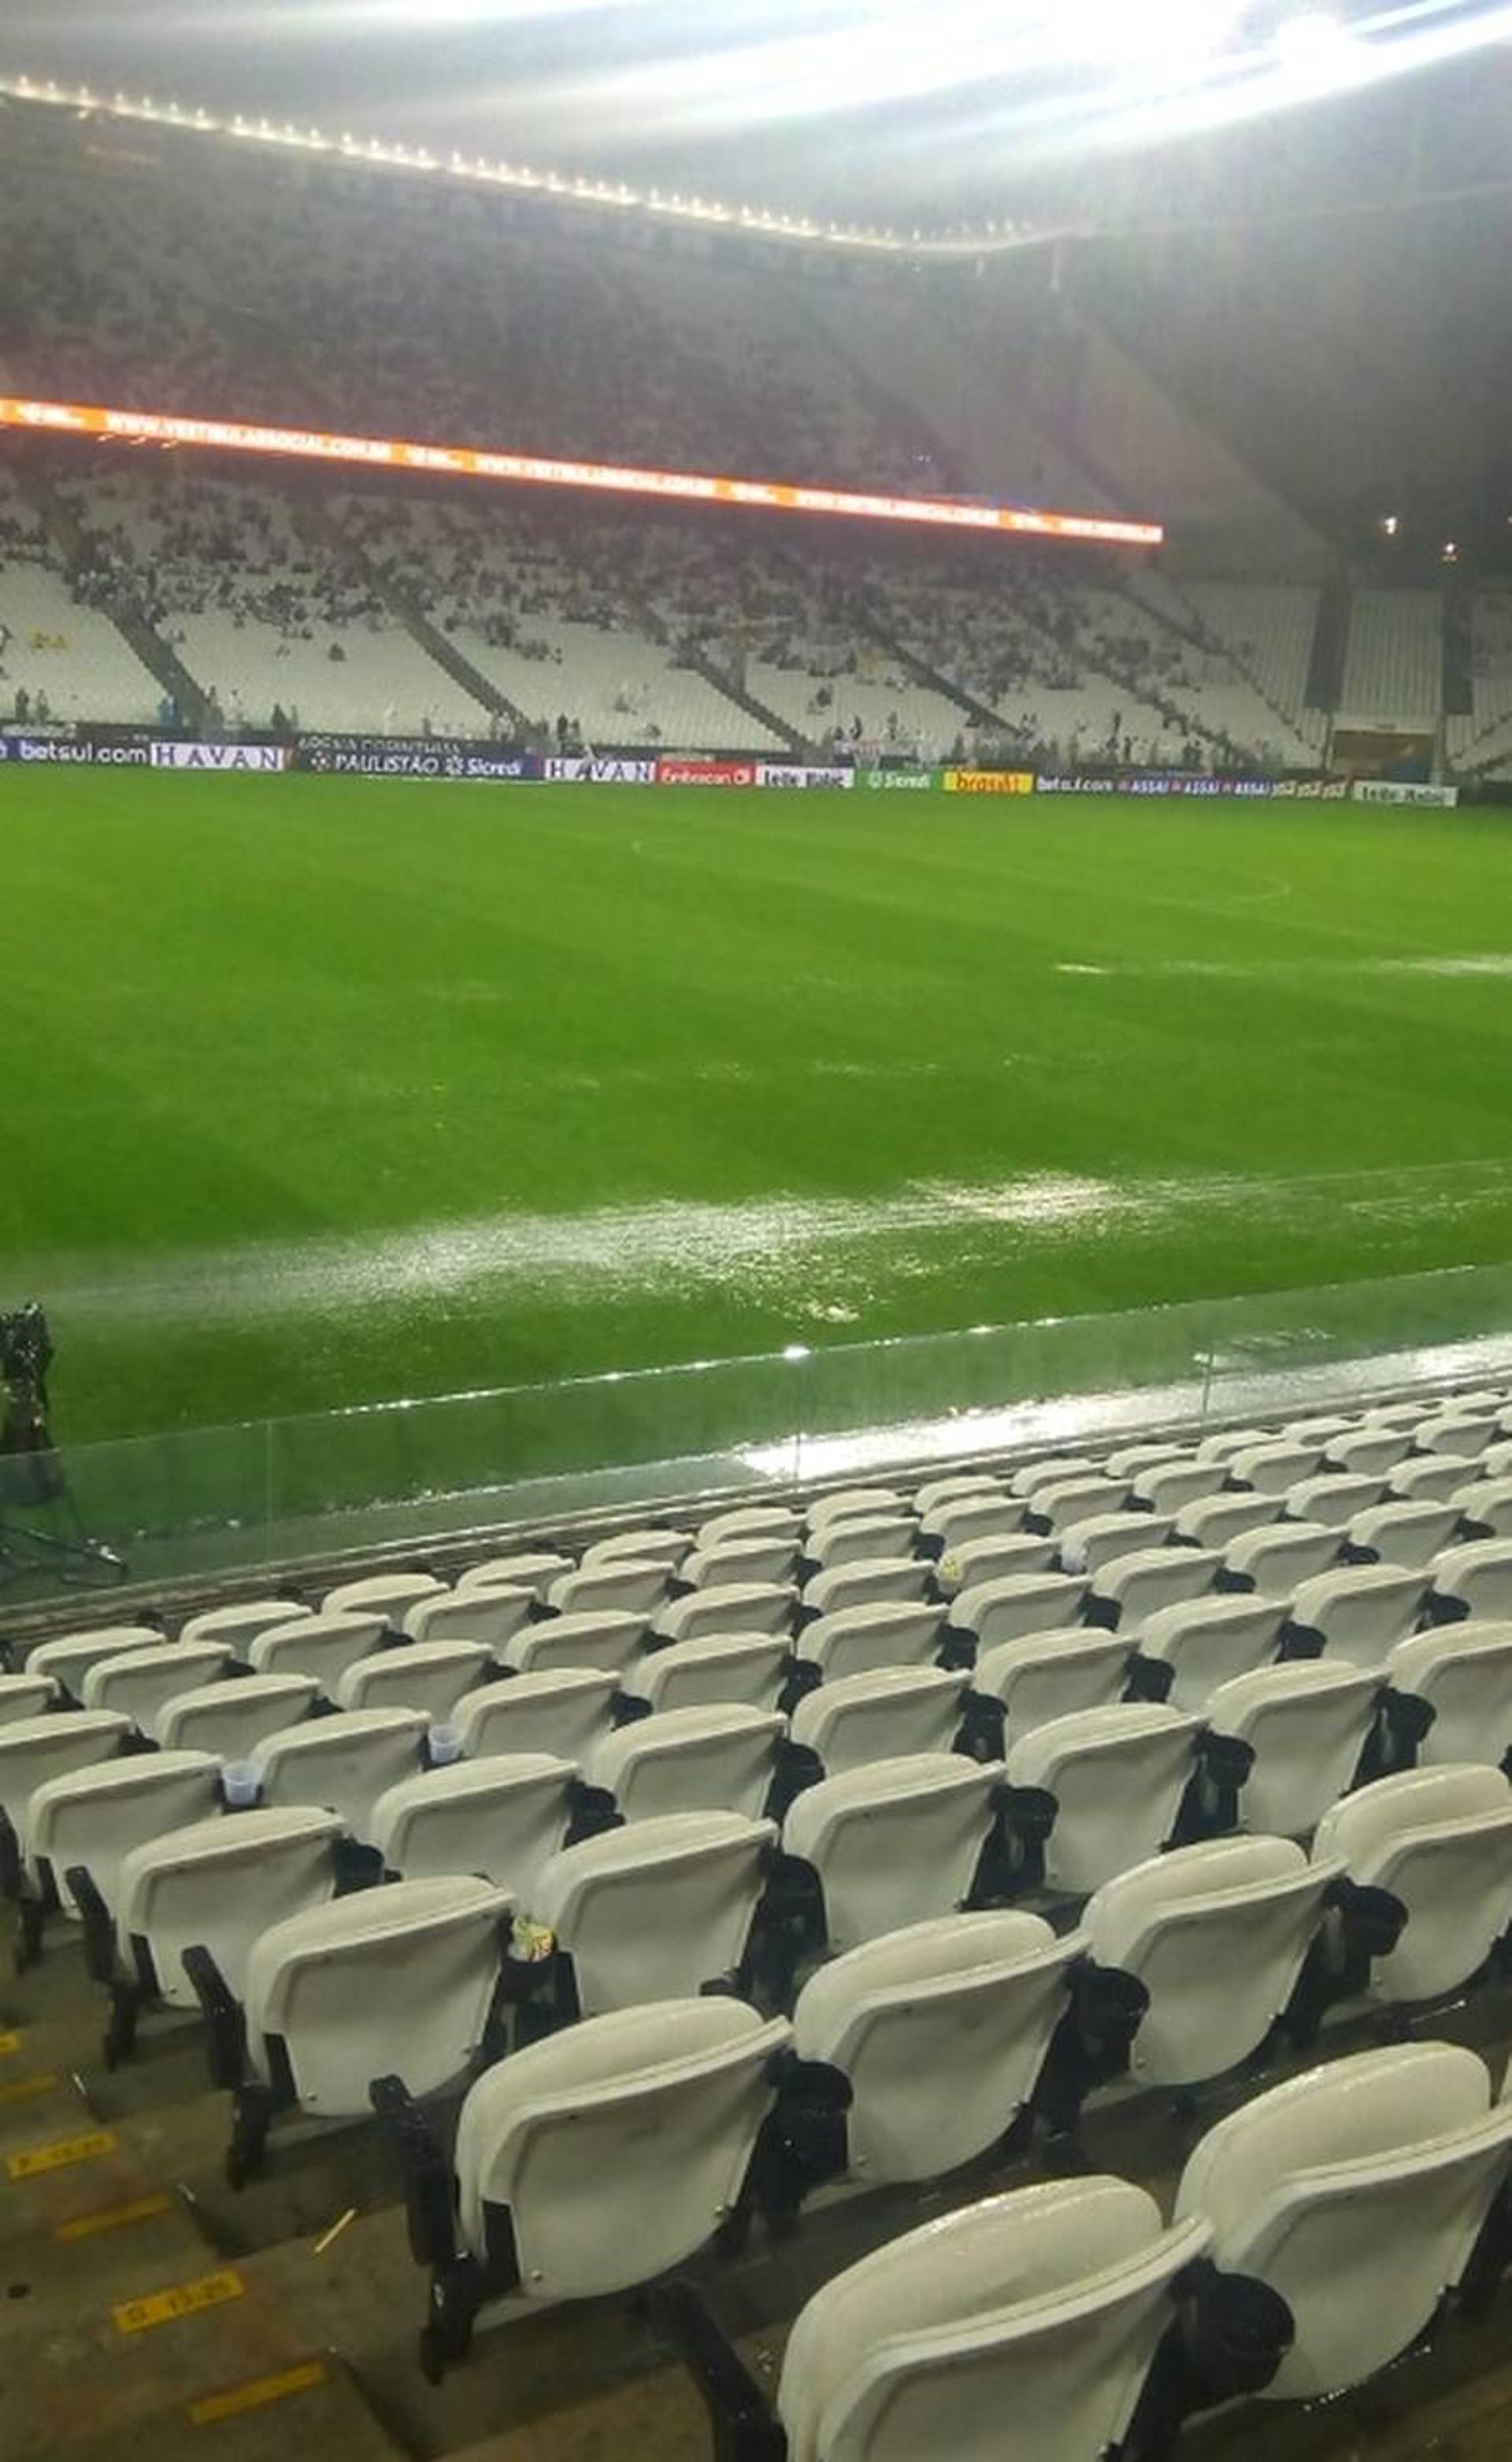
1441, 1841
1023, 2326
1216, 1933
492, 1614
617, 1584
67, 1663
957, 1520
219, 1884
658, 1910
978, 1561
34, 1751
25, 1696
1406, 1534
1463, 1674
863, 1501
1051, 1470
954, 1489
1147, 1581
231, 1717
343, 1763
650, 1544
1118, 1777
735, 1606
1153, 1453
1022, 1602
589, 2163
894, 1842
503, 1818
1475, 1580
1485, 1508
564, 1710
879, 1716
607, 1639
1360, 1611
534, 1570
1357, 2193
728, 1666
1062, 1502
429, 1676
941, 2030
1171, 1487
241, 1624
1274, 1467
852, 1539
1430, 1479
743, 1521
1461, 1433
772, 1557
1217, 1520
138, 1682
1276, 1557
1334, 1498
400, 1980
322, 1646
1306, 1723
94, 1817
854, 1641
1046, 1675
1207, 1642
714, 1757
1373, 1453
866, 1585
1105, 1538
389, 1595
1222, 1444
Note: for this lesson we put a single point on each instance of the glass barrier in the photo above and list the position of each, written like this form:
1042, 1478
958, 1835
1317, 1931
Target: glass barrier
207, 1502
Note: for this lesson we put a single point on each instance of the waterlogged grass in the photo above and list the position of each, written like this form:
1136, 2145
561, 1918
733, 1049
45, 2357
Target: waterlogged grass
323, 1091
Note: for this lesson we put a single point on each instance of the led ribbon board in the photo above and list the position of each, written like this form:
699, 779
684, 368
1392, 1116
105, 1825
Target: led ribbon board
532, 469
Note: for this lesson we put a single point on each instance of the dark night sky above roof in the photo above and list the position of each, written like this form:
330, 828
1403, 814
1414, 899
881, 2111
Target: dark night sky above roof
858, 108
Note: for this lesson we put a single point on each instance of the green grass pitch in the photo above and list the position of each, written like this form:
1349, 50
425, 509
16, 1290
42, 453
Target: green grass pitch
319, 1091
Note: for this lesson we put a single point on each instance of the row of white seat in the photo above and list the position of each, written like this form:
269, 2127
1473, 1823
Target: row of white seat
1333, 1473
1286, 1738
1316, 2233
668, 1903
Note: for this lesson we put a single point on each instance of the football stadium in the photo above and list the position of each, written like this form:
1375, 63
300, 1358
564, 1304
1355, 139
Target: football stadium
755, 1273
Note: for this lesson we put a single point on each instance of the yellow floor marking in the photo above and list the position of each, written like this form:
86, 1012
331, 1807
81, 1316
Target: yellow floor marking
46, 2081
110, 2219
181, 2300
64, 2150
257, 2391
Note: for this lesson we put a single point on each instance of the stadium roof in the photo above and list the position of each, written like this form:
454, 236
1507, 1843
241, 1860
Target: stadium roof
987, 117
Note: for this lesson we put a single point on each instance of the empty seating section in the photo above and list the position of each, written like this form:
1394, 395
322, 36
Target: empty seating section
53, 643
579, 615
1394, 666
838, 1843
262, 610
1267, 630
